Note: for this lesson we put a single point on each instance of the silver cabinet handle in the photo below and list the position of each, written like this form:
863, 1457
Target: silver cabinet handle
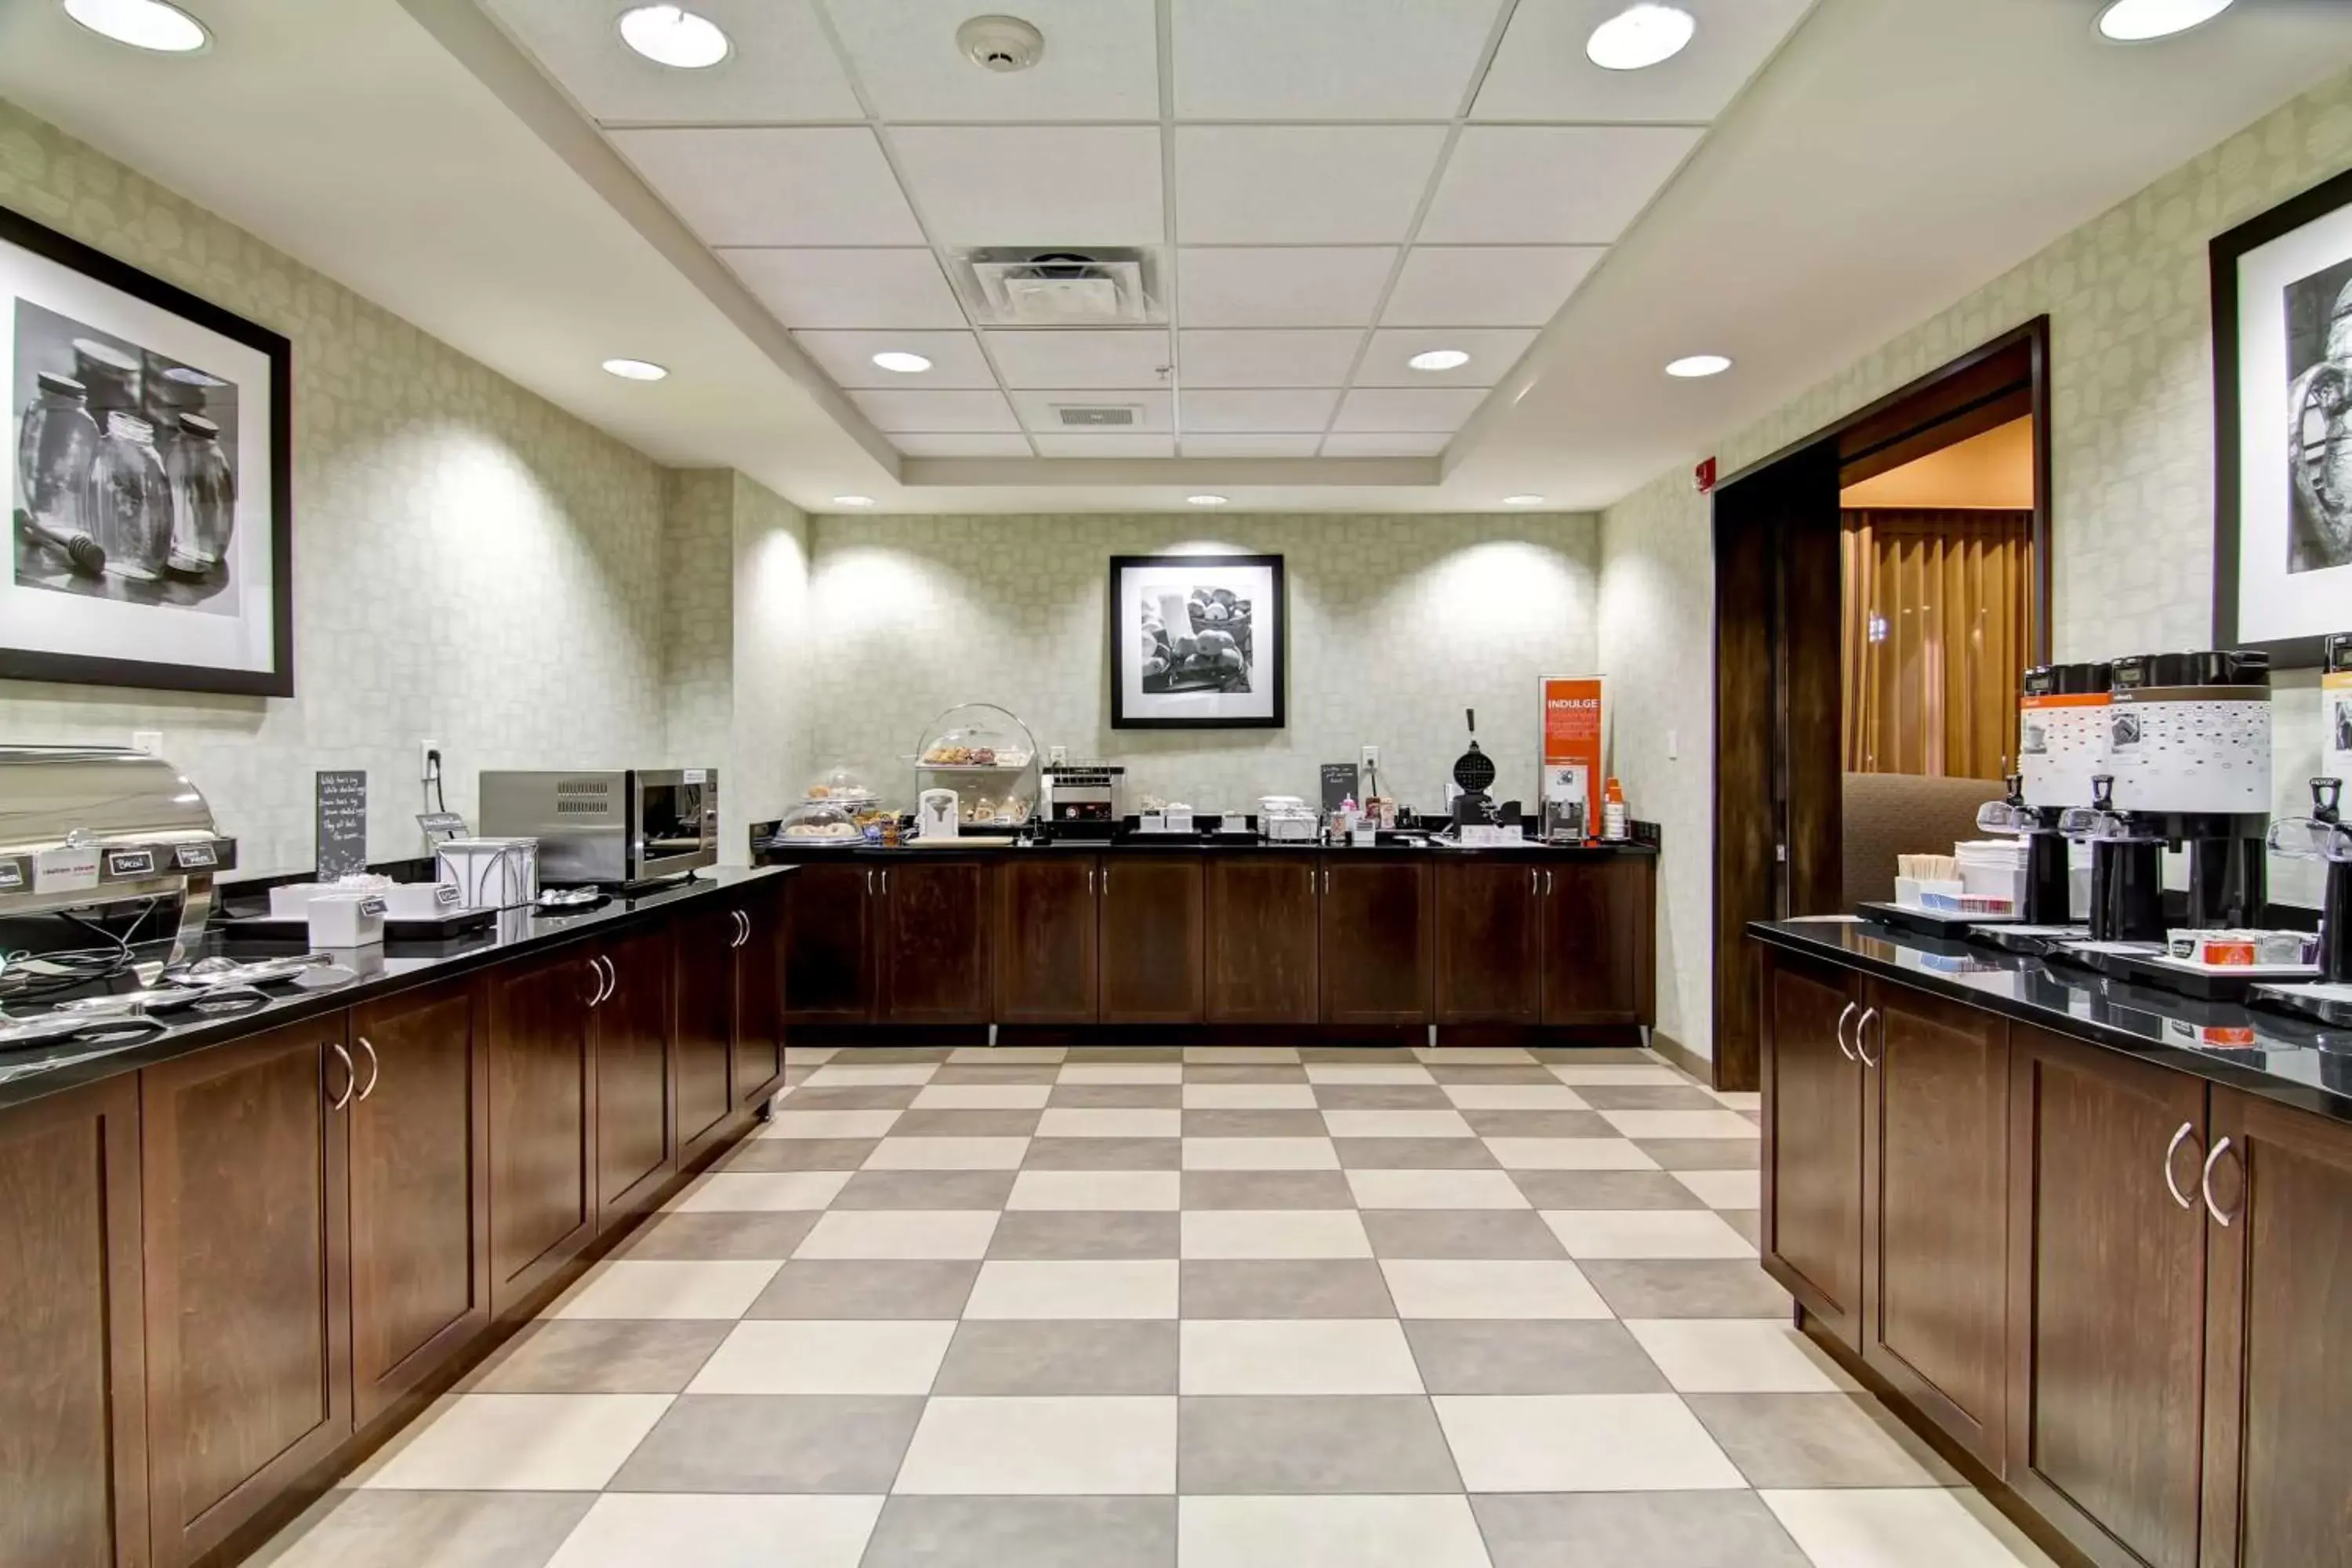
886, 881
1090, 878
1843, 1050
869, 881
2171, 1149
1326, 879
1535, 881
351, 1075
1862, 1024
608, 982
2205, 1184
375, 1066
745, 916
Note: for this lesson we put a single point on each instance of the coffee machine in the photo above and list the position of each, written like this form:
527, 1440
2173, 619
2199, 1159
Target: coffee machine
2062, 748
2324, 836
2189, 749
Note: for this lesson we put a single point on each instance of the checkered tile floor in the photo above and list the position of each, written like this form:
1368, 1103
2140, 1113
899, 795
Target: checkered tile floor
1186, 1309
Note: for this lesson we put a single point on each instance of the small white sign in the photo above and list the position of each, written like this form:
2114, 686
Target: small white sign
68, 869
694, 776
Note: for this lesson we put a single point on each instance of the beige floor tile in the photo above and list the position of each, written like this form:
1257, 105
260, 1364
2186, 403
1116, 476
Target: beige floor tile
1260, 1154
1240, 1056
425, 1529
1328, 1532
1501, 1287
1473, 1056
1574, 1073
1737, 1355
518, 1442
760, 1191
1396, 1124
1436, 1190
1296, 1356
983, 1097
1725, 1189
884, 1233
1249, 1097
1681, 1123
843, 1075
1130, 1191
948, 1154
628, 1288
1122, 1072
1514, 1097
1026, 1446
1401, 1071
1646, 1233
1008, 1056
1900, 1528
1061, 1121
1582, 1443
628, 1529
787, 1356
1273, 1233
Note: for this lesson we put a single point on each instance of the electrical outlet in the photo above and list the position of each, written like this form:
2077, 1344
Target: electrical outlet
428, 753
147, 740
1371, 758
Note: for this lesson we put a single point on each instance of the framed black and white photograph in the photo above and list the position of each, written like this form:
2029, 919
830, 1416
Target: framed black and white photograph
150, 538
2283, 426
1197, 642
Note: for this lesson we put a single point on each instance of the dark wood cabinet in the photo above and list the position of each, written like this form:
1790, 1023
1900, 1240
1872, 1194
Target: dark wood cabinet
73, 1380
631, 1022
1813, 1153
1598, 949
703, 1028
245, 1228
1489, 944
828, 944
542, 1070
934, 930
1376, 952
1045, 931
1149, 945
1260, 939
760, 999
420, 1191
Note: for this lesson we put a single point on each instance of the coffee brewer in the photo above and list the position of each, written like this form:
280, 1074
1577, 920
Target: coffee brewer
2188, 748
2062, 748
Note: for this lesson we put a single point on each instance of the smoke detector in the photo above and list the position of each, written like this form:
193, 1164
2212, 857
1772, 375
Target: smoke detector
1028, 286
1001, 43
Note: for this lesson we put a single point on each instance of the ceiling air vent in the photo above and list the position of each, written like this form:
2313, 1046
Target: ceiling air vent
1020, 286
1098, 416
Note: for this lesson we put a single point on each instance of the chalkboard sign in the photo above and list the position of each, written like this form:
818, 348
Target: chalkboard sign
342, 824
1339, 782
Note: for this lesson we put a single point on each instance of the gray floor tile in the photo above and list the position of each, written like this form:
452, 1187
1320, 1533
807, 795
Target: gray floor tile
1508, 1356
410, 1530
615, 1356
1686, 1287
857, 1097
1491, 1072
926, 1190
1381, 1097
1118, 1096
991, 1072
771, 1155
1284, 1288
966, 1124
825, 1287
1594, 1055
1063, 1356
1254, 1124
1377, 1056
1065, 1235
1267, 1190
1388, 1443
686, 1237
1126, 1054
1647, 1096
1525, 1124
1104, 1154
1605, 1190
1634, 1529
1703, 1153
1243, 1072
1414, 1154
1460, 1233
1025, 1532
890, 1055
759, 1443
1808, 1440
1748, 1223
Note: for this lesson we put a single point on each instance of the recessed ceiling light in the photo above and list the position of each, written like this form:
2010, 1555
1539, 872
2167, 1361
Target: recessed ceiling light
903, 362
1640, 36
2137, 21
142, 23
1523, 500
852, 501
636, 369
1204, 500
673, 35
1439, 359
1692, 366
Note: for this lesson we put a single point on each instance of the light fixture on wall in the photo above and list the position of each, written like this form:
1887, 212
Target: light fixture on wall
2138, 21
1204, 500
1523, 500
1439, 359
1640, 36
852, 501
143, 24
636, 369
902, 362
673, 35
1691, 367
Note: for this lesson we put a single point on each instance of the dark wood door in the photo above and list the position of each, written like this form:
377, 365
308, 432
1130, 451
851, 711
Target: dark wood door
1045, 938
1377, 949
1598, 942
542, 1103
632, 1111
1261, 938
936, 922
73, 1379
1813, 1142
1936, 1208
829, 942
243, 1159
2278, 1389
1149, 942
1489, 944
420, 1191
703, 1025
2106, 1275
759, 998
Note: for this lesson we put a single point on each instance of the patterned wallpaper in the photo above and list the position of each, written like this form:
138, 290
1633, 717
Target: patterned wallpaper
2132, 472
770, 756
1398, 625
471, 564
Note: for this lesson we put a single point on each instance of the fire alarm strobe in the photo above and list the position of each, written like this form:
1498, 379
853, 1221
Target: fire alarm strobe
1001, 43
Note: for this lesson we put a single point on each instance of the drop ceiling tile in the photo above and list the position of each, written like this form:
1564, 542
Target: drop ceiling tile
848, 358
1551, 185
1249, 446
1301, 184
971, 445
1072, 356
1097, 447
1101, 62
1041, 186
1386, 444
849, 287
1487, 286
828, 185
1154, 410
1268, 357
946, 412
1492, 351
1387, 408
780, 67
1541, 72
1282, 285
1327, 59
1287, 412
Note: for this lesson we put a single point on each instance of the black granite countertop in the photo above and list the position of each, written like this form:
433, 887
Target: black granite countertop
786, 851
2272, 1055
33, 1072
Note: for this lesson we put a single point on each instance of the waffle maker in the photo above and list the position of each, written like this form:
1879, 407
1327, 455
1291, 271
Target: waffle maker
1474, 775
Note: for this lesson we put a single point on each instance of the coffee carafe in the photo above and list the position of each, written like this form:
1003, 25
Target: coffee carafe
2324, 837
2126, 868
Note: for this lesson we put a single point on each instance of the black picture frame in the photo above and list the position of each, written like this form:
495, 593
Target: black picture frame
2226, 251
1125, 651
277, 680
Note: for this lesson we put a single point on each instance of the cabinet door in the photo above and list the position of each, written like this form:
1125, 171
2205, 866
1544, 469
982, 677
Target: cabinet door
2278, 1391
703, 1025
1812, 1142
1045, 938
1261, 938
1936, 1208
542, 1101
1376, 954
420, 1191
936, 920
829, 944
1149, 943
759, 998
2106, 1277
243, 1158
73, 1381
1489, 944
1598, 942
633, 1116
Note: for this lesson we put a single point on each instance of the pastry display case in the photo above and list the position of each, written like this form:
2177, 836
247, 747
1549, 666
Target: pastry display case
836, 807
989, 758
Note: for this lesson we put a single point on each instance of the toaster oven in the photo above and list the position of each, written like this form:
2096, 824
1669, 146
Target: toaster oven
611, 826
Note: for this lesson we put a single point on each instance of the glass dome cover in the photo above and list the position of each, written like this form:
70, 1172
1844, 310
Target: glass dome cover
840, 784
988, 757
